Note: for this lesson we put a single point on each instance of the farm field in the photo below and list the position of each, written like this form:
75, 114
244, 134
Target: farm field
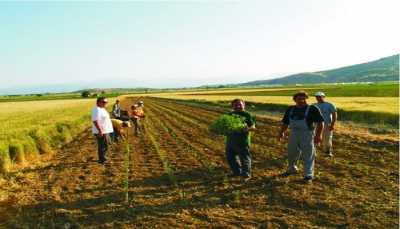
177, 177
332, 90
382, 98
55, 96
374, 104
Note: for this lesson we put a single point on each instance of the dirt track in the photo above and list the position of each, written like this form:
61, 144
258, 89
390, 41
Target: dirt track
178, 178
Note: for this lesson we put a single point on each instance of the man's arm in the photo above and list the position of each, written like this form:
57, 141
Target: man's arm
97, 125
282, 131
250, 124
334, 118
318, 133
285, 125
249, 128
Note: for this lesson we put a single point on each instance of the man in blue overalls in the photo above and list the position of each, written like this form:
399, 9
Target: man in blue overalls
306, 124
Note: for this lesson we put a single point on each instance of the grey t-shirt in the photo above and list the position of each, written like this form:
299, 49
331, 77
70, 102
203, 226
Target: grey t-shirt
326, 109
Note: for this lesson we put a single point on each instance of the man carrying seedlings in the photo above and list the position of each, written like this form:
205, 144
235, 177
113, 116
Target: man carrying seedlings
137, 113
101, 127
238, 143
329, 113
301, 119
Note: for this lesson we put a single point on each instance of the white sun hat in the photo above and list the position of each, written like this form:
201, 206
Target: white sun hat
320, 93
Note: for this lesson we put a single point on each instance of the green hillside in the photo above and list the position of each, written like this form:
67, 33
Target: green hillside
384, 69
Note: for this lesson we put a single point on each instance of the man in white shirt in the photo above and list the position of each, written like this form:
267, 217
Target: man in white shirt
329, 113
101, 127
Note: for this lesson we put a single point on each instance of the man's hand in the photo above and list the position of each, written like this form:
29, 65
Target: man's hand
281, 136
317, 140
331, 127
248, 129
100, 134
282, 131
97, 125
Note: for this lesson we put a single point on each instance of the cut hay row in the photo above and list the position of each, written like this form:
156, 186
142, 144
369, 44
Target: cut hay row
31, 129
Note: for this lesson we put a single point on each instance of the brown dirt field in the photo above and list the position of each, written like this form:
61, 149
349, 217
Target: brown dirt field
178, 179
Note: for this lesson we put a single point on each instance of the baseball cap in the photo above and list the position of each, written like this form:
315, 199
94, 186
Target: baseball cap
320, 93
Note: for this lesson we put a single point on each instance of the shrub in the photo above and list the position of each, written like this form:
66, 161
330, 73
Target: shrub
227, 124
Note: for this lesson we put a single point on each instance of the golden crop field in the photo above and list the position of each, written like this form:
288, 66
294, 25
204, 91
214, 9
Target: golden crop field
375, 104
235, 90
34, 127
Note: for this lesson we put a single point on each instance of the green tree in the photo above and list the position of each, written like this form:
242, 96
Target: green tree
85, 94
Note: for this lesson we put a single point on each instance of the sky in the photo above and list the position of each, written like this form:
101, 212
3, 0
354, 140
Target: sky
188, 43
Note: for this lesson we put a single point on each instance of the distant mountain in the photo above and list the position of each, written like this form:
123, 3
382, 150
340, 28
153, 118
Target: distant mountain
39, 89
98, 85
384, 69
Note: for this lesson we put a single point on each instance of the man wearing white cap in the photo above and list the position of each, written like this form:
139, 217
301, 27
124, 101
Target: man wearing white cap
329, 113
101, 127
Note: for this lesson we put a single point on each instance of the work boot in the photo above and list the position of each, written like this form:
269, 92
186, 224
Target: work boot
308, 179
288, 173
233, 175
329, 153
246, 178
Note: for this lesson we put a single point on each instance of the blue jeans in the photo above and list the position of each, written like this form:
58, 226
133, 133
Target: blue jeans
239, 159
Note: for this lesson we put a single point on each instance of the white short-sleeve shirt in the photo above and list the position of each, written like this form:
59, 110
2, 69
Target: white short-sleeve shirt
101, 115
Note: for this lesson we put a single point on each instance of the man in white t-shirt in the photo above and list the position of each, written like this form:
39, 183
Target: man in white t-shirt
101, 127
329, 113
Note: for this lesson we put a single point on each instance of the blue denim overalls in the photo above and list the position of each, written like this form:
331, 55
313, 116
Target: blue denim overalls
301, 144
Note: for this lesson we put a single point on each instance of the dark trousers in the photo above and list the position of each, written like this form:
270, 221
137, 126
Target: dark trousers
137, 125
102, 144
239, 159
115, 136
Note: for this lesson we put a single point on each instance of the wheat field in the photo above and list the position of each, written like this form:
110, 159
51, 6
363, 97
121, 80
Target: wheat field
37, 127
375, 104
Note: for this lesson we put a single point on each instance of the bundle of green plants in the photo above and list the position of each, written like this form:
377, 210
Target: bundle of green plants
228, 124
